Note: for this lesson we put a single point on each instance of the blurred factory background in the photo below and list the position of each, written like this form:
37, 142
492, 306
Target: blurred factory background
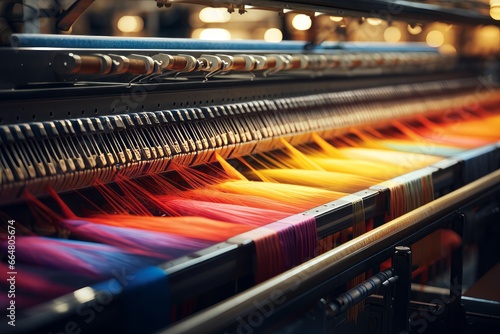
143, 18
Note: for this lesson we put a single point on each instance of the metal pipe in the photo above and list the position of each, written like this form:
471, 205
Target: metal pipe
360, 292
271, 294
401, 307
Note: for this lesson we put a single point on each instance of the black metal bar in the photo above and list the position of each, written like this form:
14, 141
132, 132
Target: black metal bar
401, 262
360, 292
319, 319
388, 306
390, 10
69, 16
456, 313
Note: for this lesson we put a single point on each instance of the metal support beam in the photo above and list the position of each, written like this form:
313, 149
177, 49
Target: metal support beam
70, 15
401, 261
456, 313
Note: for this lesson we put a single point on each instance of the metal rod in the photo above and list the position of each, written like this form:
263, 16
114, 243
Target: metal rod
456, 313
305, 277
401, 261
360, 292
67, 18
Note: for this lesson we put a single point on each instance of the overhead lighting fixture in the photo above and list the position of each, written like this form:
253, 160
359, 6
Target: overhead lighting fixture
301, 22
414, 30
336, 18
495, 12
215, 34
273, 35
129, 23
392, 34
448, 49
373, 21
434, 38
214, 15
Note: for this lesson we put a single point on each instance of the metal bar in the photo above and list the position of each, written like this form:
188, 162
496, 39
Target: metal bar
401, 262
397, 10
70, 15
389, 10
360, 292
305, 277
456, 313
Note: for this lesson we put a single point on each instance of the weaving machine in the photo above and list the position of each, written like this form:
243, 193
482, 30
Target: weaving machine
189, 186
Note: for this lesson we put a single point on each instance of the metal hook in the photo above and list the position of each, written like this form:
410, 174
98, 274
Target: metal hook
281, 63
214, 65
211, 74
136, 78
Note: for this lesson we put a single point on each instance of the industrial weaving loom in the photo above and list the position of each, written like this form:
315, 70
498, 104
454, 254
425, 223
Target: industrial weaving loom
175, 185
